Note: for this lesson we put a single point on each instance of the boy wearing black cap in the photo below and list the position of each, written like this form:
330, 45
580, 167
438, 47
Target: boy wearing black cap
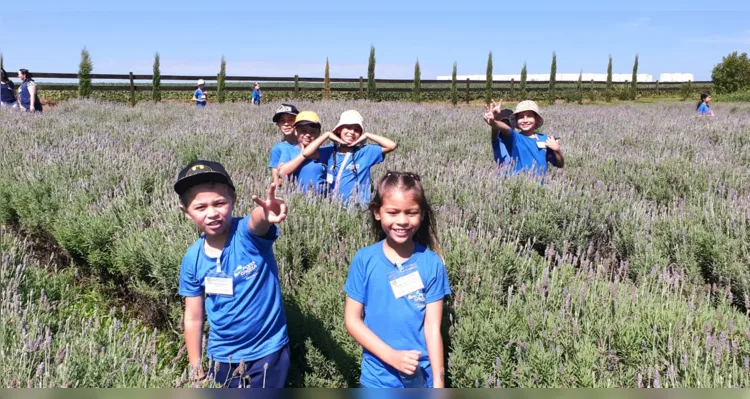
230, 273
284, 119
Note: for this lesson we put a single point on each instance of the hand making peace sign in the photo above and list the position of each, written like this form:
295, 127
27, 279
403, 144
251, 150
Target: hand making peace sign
274, 209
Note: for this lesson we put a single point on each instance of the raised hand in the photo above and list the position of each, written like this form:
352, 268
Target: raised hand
492, 111
335, 138
362, 138
274, 209
553, 144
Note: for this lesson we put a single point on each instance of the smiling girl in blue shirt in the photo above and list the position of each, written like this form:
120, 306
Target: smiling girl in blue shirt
399, 284
349, 165
703, 107
308, 173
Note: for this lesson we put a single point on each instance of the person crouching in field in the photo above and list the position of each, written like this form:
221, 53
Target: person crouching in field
8, 97
703, 108
398, 285
309, 173
200, 95
349, 165
230, 273
257, 94
499, 151
28, 93
284, 119
528, 149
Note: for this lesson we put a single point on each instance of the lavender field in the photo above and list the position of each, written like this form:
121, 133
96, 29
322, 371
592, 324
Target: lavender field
628, 268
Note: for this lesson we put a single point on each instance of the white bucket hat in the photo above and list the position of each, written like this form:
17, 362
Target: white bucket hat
201, 82
350, 117
529, 105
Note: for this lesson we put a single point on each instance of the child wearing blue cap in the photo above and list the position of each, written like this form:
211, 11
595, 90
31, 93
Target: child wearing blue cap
230, 274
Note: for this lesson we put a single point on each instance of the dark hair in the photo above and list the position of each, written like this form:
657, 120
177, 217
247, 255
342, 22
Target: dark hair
406, 181
704, 96
3, 76
26, 73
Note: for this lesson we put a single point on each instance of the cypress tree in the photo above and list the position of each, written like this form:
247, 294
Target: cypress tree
416, 91
221, 94
371, 88
454, 86
634, 82
523, 81
552, 78
608, 89
327, 82
156, 80
488, 81
580, 88
84, 74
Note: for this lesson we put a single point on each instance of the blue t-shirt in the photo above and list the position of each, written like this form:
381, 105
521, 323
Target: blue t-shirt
704, 109
350, 171
312, 172
251, 324
256, 96
398, 322
525, 152
500, 152
277, 151
200, 95
6, 92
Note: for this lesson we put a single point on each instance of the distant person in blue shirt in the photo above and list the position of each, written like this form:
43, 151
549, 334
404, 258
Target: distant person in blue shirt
528, 149
257, 94
309, 174
200, 94
349, 166
395, 290
28, 93
703, 108
230, 274
499, 151
284, 119
8, 97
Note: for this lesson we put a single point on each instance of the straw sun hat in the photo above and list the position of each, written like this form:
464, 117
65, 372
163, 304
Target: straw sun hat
529, 105
350, 117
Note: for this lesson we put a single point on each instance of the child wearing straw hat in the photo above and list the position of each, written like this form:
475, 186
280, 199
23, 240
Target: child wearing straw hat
199, 96
530, 150
349, 165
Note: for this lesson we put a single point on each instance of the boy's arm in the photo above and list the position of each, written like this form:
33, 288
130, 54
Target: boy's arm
194, 334
433, 338
403, 361
288, 167
312, 148
270, 211
498, 127
554, 145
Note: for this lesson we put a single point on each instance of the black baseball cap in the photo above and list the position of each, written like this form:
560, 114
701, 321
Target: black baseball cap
506, 114
200, 172
285, 109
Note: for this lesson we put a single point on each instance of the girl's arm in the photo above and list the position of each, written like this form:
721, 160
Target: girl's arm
554, 145
387, 144
194, 334
312, 148
32, 92
403, 361
432, 320
498, 127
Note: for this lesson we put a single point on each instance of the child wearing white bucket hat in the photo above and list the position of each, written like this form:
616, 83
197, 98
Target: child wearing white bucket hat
199, 96
529, 149
348, 169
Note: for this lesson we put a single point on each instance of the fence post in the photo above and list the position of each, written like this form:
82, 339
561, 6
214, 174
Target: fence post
361, 88
132, 90
296, 86
467, 91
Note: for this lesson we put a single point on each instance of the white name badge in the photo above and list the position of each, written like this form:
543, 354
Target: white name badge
329, 178
541, 144
220, 286
406, 284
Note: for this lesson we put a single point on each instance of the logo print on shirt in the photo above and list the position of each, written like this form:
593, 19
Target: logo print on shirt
417, 297
246, 272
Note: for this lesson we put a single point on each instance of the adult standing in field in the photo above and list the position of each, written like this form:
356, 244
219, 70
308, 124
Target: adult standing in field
200, 95
530, 150
257, 94
8, 97
28, 93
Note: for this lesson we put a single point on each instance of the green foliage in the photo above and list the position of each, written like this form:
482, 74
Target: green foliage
221, 82
608, 89
85, 67
634, 81
371, 87
156, 80
296, 87
579, 88
552, 78
326, 83
454, 85
523, 81
488, 81
732, 74
1, 61
416, 90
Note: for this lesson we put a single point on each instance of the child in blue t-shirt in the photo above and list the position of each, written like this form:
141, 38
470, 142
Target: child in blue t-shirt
308, 173
230, 273
703, 107
200, 94
399, 284
528, 149
499, 151
349, 165
256, 94
284, 119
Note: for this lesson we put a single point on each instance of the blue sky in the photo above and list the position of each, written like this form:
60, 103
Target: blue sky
283, 38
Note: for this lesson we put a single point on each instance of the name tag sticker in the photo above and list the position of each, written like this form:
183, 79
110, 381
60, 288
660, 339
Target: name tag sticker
405, 283
329, 178
220, 285
541, 144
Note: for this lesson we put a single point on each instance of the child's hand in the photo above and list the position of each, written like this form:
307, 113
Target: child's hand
274, 209
335, 138
360, 140
405, 361
492, 111
553, 144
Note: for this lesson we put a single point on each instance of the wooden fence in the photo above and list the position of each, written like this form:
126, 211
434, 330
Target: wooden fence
359, 84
